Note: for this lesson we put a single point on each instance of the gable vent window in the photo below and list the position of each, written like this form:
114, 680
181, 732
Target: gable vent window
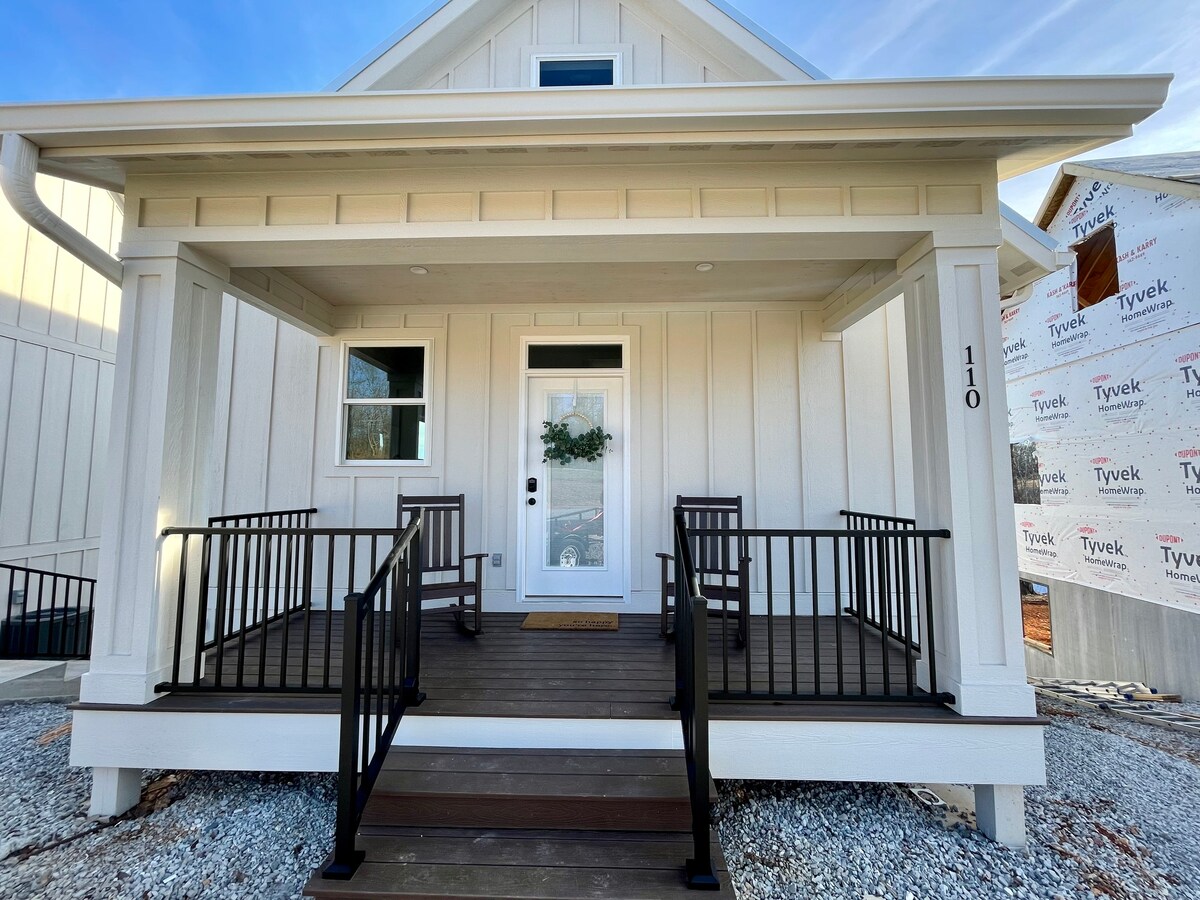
1096, 267
577, 72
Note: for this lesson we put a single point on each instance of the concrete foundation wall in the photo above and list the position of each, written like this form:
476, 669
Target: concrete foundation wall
1101, 635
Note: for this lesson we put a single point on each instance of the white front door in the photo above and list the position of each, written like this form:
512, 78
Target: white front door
574, 513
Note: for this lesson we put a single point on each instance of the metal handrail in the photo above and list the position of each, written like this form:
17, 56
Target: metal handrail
51, 621
305, 514
870, 600
244, 587
691, 699
880, 517
381, 665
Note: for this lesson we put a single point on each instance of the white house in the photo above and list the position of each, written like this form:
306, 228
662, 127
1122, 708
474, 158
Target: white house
1104, 404
649, 217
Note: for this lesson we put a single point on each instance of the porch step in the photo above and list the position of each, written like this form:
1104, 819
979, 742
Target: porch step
596, 790
534, 824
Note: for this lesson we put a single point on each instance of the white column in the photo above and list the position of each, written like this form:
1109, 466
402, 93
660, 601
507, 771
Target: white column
961, 476
1000, 813
159, 466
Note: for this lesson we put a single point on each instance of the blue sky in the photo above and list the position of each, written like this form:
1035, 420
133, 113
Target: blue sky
85, 49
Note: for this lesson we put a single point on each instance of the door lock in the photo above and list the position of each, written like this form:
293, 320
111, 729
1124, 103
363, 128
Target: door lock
531, 485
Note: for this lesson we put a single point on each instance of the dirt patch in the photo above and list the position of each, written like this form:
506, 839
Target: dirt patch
1035, 616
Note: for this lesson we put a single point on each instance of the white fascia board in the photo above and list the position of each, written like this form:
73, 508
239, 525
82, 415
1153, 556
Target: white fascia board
1145, 182
770, 40
377, 53
1019, 231
1092, 107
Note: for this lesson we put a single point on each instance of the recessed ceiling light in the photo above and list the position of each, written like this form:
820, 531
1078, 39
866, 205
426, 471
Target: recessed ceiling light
419, 270
705, 267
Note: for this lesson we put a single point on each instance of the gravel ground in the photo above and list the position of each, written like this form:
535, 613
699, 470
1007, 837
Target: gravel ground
197, 834
1117, 819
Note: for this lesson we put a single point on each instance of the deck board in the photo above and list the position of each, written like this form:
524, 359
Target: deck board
628, 673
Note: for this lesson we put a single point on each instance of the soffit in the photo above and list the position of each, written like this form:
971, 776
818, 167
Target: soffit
1023, 123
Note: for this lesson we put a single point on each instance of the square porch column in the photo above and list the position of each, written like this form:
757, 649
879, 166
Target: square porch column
159, 465
962, 481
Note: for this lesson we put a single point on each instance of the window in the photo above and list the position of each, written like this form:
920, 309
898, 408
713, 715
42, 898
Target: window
576, 71
576, 356
1035, 614
1096, 267
1026, 480
384, 403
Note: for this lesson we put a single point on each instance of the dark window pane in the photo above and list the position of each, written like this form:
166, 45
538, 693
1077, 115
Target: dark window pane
576, 72
382, 373
575, 356
385, 432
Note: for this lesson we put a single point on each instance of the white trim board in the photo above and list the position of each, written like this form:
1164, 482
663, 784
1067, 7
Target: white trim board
800, 751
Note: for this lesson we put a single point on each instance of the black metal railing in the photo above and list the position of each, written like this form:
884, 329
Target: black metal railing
255, 608
691, 699
381, 665
810, 636
886, 557
46, 614
274, 518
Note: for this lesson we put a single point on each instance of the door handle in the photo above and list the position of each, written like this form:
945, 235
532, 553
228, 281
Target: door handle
531, 485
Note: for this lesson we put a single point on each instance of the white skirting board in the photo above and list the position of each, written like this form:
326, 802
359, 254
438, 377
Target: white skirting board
800, 751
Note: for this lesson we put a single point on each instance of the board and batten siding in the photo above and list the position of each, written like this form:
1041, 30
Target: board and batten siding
58, 340
653, 50
58, 336
878, 419
726, 399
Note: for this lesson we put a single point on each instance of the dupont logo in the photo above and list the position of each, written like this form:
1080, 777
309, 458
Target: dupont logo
1100, 379
1100, 460
1188, 357
1169, 538
1037, 394
1026, 524
1087, 529
1191, 453
1054, 318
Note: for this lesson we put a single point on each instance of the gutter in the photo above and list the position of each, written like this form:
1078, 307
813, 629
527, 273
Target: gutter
18, 173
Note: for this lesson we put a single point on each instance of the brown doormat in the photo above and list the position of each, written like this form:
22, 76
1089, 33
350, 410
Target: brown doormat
567, 621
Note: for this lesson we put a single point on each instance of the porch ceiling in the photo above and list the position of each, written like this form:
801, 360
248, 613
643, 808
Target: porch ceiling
612, 282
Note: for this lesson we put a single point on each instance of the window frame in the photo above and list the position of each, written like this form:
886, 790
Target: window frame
345, 402
536, 60
1108, 231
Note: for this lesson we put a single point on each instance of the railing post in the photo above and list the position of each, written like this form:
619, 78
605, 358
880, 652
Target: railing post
701, 875
346, 857
412, 597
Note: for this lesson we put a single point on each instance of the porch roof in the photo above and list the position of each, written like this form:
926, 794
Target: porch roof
1022, 122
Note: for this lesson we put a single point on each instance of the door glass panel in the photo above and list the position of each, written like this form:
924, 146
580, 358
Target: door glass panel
574, 496
576, 356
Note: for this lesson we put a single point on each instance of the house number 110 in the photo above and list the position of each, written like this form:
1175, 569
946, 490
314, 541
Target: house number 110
972, 396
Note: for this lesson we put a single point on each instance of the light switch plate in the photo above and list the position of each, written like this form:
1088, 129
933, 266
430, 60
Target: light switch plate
497, 560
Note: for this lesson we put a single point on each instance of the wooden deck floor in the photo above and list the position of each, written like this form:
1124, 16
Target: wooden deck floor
628, 673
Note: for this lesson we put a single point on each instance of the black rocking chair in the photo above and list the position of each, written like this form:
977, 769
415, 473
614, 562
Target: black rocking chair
443, 540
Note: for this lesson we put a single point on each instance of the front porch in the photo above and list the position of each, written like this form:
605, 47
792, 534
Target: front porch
625, 674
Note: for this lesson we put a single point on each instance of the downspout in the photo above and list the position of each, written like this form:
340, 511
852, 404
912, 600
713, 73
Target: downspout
18, 171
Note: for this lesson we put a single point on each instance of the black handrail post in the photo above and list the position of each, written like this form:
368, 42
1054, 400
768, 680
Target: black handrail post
346, 858
701, 874
412, 695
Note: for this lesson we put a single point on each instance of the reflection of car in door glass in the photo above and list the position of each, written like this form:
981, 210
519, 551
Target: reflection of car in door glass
576, 539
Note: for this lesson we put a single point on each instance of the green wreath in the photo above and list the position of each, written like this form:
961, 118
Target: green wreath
562, 446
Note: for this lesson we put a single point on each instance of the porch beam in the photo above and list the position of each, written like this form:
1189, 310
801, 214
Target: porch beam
860, 295
961, 461
273, 292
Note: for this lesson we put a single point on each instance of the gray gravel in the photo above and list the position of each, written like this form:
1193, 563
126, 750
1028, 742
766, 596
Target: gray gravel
214, 835
1118, 819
